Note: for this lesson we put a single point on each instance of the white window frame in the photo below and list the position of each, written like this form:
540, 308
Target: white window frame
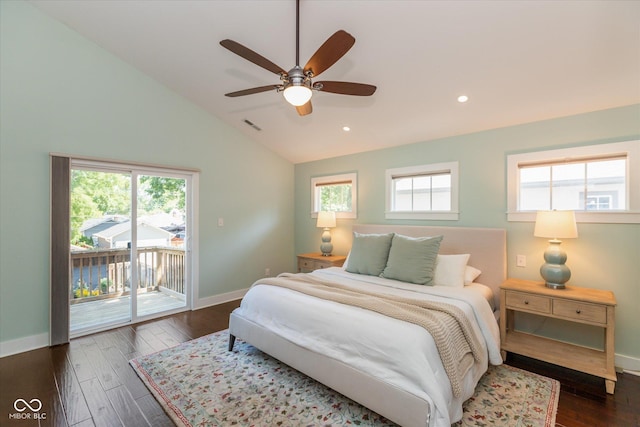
431, 169
334, 179
630, 149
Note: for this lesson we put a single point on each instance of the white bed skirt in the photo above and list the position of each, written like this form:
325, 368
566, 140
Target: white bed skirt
389, 401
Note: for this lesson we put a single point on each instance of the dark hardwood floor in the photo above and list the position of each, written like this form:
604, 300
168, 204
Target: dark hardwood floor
90, 383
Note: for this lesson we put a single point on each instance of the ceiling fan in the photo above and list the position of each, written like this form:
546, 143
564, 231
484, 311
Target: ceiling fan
296, 84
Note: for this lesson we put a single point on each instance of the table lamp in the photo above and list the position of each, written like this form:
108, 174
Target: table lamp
326, 220
555, 225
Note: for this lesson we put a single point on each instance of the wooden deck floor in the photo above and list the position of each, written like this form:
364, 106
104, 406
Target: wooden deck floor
92, 314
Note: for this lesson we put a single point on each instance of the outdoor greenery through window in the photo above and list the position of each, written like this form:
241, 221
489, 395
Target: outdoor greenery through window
335, 193
96, 195
335, 197
423, 192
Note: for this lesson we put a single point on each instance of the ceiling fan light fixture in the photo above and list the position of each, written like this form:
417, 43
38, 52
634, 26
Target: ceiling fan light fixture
297, 95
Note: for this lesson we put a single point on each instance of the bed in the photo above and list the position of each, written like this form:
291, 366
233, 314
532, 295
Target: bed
386, 363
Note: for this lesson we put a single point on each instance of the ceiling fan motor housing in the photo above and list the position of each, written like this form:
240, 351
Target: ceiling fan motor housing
297, 77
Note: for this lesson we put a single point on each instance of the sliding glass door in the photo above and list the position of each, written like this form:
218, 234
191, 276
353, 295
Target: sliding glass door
129, 253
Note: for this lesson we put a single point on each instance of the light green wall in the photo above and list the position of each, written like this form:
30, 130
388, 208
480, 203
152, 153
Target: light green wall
604, 256
62, 93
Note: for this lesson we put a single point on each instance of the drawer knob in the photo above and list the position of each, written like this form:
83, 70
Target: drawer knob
578, 311
526, 302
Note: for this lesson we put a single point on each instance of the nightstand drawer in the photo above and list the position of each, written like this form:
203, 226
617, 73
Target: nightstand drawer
316, 261
318, 265
580, 311
306, 264
528, 302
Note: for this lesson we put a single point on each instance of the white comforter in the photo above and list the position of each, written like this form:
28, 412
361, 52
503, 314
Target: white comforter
400, 353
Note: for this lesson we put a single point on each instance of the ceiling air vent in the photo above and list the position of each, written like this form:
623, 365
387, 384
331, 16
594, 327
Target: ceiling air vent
250, 123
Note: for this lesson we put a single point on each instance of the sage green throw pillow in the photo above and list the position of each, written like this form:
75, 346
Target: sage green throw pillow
412, 259
369, 253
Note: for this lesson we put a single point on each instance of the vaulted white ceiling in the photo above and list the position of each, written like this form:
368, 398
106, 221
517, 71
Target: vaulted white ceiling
517, 61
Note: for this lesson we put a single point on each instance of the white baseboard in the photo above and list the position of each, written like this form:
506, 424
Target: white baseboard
20, 345
219, 299
627, 363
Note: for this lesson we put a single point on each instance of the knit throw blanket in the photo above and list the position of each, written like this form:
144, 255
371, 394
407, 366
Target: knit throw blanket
451, 330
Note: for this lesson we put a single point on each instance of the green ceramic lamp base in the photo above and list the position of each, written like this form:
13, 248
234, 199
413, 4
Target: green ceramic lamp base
554, 271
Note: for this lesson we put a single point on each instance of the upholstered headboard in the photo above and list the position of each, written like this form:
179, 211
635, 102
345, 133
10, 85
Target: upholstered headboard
487, 247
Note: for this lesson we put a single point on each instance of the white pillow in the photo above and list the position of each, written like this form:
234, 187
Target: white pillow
450, 270
471, 274
346, 261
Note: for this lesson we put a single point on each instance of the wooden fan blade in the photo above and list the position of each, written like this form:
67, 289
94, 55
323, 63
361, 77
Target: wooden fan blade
251, 56
252, 91
346, 88
305, 109
328, 54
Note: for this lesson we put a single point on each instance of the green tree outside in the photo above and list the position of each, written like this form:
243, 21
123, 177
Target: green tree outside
335, 197
96, 194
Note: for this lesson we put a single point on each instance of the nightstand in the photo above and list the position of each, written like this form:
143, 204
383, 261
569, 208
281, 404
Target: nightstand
582, 305
315, 261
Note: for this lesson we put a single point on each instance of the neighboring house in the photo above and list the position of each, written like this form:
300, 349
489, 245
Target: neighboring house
119, 236
173, 223
96, 225
164, 220
99, 230
178, 235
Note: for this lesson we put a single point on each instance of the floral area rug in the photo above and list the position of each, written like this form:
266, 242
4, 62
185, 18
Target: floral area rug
200, 383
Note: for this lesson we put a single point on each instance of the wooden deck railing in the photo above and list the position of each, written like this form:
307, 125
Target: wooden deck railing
106, 273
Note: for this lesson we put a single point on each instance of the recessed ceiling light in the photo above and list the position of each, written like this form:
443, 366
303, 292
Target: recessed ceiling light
346, 128
463, 98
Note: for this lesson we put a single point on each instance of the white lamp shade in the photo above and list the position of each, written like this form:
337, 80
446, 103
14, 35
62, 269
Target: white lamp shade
297, 95
556, 225
326, 220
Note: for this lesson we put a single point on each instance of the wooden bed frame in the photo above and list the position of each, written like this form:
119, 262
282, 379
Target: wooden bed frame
487, 248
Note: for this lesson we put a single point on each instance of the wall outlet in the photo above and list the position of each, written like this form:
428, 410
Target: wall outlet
521, 261
220, 222
267, 272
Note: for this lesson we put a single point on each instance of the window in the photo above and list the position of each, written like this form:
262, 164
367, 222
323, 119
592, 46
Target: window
599, 182
423, 192
335, 193
573, 185
600, 202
